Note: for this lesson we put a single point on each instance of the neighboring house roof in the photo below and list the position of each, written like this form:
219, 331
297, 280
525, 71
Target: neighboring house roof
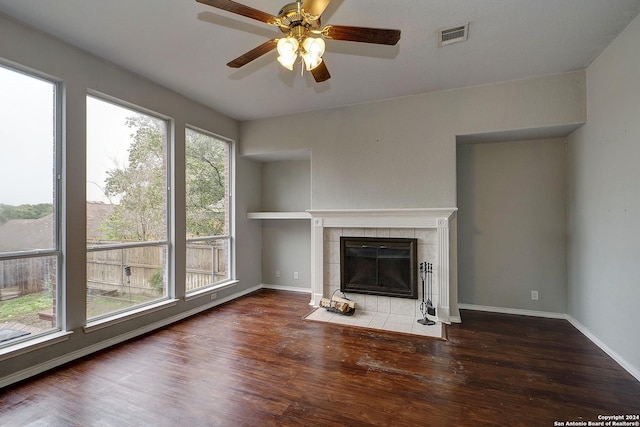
32, 234
97, 213
27, 234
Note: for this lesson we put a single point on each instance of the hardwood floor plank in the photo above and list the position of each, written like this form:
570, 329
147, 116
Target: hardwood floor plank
253, 362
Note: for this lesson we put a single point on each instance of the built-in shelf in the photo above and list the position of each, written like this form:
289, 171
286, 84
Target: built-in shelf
278, 215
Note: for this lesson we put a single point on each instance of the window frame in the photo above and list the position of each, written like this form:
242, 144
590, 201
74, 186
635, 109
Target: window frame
59, 313
230, 236
168, 299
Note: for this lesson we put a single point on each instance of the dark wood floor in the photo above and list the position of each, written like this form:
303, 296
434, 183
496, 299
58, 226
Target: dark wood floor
254, 362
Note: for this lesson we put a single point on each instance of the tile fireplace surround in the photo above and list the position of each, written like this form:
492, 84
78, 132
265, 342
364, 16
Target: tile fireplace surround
429, 226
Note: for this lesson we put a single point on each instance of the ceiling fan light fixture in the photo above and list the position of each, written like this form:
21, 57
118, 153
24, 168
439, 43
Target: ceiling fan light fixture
310, 61
314, 46
312, 51
288, 47
287, 61
288, 50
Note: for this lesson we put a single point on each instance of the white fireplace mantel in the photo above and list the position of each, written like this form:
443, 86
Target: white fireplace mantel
437, 218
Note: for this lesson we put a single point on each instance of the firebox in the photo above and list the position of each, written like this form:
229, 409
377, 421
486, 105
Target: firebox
379, 266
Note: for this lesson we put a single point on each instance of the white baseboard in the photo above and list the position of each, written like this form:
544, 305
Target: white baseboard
634, 371
615, 356
517, 311
455, 319
68, 357
286, 288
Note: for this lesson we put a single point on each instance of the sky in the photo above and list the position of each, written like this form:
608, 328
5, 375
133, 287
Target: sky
26, 140
108, 141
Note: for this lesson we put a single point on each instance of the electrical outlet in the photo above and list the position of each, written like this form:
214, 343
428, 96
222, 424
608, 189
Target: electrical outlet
214, 296
277, 273
296, 276
534, 295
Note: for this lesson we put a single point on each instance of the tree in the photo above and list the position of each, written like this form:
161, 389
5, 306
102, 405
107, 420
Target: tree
206, 178
140, 185
40, 210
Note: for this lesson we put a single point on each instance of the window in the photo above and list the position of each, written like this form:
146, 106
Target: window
127, 209
29, 239
207, 210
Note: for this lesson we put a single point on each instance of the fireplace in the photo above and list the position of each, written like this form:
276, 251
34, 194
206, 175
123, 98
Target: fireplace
429, 226
379, 266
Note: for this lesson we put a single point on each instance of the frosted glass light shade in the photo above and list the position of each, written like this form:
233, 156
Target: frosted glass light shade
287, 61
288, 50
311, 62
314, 46
313, 49
287, 47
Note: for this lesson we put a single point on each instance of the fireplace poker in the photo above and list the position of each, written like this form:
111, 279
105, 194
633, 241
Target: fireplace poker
424, 305
431, 310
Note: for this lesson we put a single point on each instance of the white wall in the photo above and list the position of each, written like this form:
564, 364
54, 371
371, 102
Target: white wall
286, 185
286, 249
79, 72
511, 224
604, 202
401, 153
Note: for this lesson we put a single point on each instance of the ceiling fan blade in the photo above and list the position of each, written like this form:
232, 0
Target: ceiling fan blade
315, 7
321, 73
240, 9
256, 53
361, 34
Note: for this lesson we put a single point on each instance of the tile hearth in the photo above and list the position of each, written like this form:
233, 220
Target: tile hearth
380, 321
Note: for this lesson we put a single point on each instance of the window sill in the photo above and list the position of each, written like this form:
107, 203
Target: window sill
208, 291
33, 344
123, 317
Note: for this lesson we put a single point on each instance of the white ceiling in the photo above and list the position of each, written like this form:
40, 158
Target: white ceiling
184, 45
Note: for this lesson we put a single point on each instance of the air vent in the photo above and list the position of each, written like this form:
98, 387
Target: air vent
447, 36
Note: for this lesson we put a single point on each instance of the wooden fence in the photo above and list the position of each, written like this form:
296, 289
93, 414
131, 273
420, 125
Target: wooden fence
26, 276
206, 264
107, 270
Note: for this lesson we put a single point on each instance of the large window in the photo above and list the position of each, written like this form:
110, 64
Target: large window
127, 214
207, 210
29, 240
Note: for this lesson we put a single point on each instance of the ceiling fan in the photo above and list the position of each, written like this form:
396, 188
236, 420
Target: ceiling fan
300, 22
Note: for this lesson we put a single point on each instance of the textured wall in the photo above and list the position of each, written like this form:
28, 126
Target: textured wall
604, 201
511, 223
401, 153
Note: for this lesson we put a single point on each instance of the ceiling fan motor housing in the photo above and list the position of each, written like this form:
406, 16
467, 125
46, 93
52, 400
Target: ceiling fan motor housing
291, 17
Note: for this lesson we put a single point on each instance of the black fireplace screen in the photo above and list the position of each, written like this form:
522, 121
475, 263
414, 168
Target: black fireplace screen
379, 266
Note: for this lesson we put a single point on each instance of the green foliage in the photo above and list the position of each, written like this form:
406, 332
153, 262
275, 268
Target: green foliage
157, 281
99, 305
140, 186
8, 212
206, 184
26, 305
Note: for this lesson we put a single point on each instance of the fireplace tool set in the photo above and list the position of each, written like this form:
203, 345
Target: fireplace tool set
426, 306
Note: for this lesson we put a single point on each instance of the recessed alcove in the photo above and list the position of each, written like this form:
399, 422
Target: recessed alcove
285, 198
